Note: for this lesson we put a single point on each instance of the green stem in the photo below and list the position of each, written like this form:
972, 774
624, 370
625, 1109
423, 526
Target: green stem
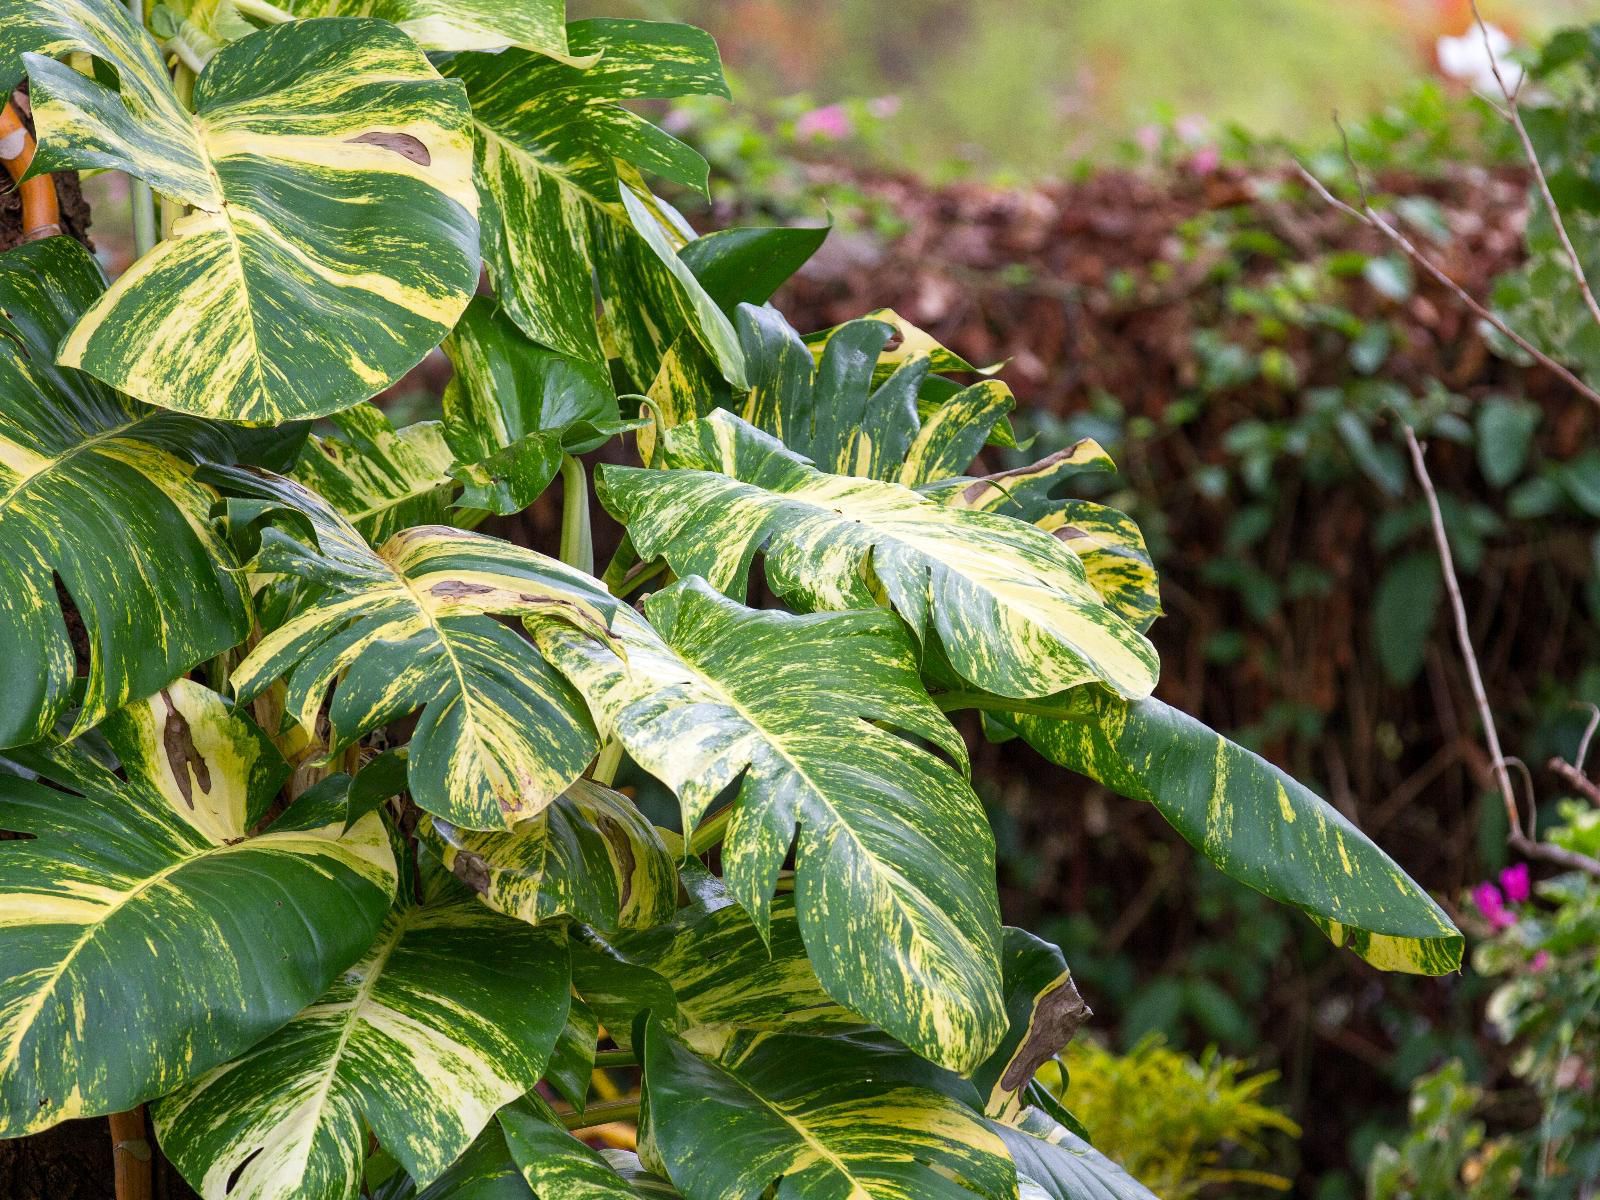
711, 831
605, 767
950, 701
577, 541
641, 577
615, 1058
271, 14
140, 196
602, 1114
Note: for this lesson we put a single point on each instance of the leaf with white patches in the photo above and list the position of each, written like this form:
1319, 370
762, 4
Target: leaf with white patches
1045, 1011
98, 497
441, 25
802, 1110
1108, 542
1010, 606
559, 164
513, 408
894, 862
379, 478
146, 935
1255, 823
333, 239
451, 1014
590, 855
557, 1166
408, 626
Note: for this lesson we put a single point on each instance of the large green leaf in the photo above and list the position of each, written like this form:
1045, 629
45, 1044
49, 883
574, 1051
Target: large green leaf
334, 236
1256, 823
563, 201
1054, 1163
513, 408
98, 501
590, 855
146, 935
406, 626
1108, 542
451, 1014
894, 864
804, 1110
380, 479
539, 25
557, 1166
1010, 605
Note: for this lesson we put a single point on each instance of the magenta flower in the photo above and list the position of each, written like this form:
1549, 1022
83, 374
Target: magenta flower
1539, 961
827, 124
1492, 905
1514, 881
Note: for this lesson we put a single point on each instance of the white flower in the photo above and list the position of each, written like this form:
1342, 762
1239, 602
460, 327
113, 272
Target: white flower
1467, 59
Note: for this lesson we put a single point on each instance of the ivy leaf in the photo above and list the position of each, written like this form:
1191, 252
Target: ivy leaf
559, 164
334, 235
590, 855
1403, 613
142, 903
1504, 436
1255, 823
894, 865
380, 479
451, 1014
99, 504
513, 408
802, 1110
1010, 606
407, 626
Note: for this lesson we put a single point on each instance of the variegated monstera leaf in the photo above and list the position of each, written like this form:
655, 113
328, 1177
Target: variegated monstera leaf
333, 237
379, 478
590, 855
1254, 822
1010, 606
450, 1015
894, 866
100, 515
564, 201
147, 933
407, 626
851, 402
828, 1117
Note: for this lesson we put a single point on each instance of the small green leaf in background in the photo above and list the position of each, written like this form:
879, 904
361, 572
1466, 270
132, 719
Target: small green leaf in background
1403, 613
1505, 435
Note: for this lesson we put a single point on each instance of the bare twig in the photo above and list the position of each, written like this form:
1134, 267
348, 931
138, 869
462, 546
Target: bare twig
1518, 840
1513, 113
1588, 735
1370, 216
1576, 780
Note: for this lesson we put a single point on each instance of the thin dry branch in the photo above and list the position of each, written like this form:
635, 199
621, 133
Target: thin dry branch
1370, 216
1513, 113
1518, 840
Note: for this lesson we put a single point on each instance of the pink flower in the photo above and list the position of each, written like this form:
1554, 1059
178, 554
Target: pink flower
1148, 138
883, 107
1515, 882
1205, 160
1490, 903
1540, 961
827, 124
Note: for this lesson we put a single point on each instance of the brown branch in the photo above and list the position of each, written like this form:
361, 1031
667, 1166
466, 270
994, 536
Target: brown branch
1513, 113
1575, 779
130, 1154
1370, 216
41, 211
1518, 840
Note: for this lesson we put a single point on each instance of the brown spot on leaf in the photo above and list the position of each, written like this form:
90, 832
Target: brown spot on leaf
402, 144
1057, 1014
454, 589
182, 755
621, 852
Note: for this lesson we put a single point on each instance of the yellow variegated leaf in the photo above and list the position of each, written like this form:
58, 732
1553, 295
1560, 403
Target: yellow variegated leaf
407, 626
1010, 606
333, 235
146, 935
894, 876
451, 1014
380, 479
589, 855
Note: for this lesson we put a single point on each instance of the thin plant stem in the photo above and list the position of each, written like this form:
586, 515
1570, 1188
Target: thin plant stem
615, 1058
260, 10
710, 831
577, 539
140, 197
605, 766
130, 1155
983, 702
601, 1114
